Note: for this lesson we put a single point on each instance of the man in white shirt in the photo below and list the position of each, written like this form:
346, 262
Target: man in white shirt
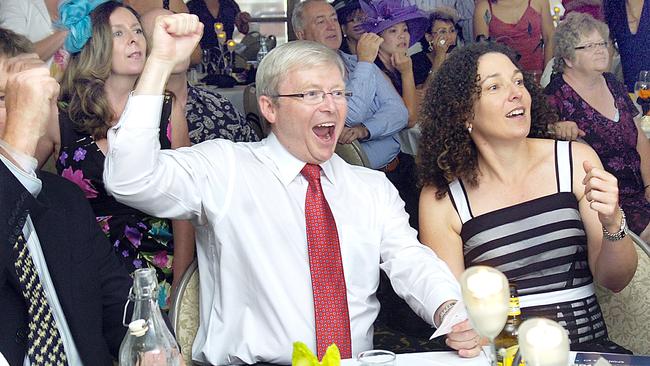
248, 203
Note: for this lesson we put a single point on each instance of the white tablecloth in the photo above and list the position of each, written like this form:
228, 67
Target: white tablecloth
438, 359
431, 359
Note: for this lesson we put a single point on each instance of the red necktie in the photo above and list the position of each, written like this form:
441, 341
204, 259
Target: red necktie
327, 278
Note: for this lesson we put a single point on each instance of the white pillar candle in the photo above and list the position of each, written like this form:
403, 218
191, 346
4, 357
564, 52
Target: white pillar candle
485, 294
543, 342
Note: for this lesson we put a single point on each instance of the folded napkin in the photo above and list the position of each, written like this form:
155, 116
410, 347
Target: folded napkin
303, 356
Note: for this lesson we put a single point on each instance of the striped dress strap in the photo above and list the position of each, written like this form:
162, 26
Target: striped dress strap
564, 166
459, 199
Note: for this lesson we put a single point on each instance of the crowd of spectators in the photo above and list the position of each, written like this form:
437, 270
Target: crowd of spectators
168, 171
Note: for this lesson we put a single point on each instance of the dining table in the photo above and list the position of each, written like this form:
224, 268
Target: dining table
450, 358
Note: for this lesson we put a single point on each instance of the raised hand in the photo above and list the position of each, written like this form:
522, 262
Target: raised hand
566, 130
402, 62
601, 190
368, 46
13, 65
175, 37
30, 100
440, 44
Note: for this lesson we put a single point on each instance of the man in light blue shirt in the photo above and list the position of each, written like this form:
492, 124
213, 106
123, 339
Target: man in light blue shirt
376, 113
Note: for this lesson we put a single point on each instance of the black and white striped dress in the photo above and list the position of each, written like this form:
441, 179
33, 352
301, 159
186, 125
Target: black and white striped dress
541, 246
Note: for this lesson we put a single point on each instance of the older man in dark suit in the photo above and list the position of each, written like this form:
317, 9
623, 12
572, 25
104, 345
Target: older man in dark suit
62, 290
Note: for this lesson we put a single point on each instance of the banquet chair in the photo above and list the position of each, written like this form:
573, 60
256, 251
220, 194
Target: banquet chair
184, 311
253, 115
626, 313
353, 154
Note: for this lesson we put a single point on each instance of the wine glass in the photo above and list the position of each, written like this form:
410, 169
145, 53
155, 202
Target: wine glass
644, 75
642, 89
486, 296
543, 342
205, 61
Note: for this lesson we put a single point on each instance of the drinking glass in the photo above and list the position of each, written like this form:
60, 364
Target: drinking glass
644, 75
376, 357
205, 61
543, 342
486, 295
642, 89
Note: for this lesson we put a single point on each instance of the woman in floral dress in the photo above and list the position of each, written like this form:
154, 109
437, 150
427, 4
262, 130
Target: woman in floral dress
94, 91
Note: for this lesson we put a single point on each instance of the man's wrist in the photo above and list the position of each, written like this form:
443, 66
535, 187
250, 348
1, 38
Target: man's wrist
442, 311
22, 161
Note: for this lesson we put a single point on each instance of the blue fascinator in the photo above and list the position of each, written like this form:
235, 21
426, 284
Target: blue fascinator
74, 15
383, 14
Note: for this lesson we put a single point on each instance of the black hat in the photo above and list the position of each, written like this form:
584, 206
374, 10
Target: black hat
344, 8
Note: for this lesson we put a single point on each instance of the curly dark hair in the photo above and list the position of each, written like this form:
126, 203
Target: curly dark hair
446, 151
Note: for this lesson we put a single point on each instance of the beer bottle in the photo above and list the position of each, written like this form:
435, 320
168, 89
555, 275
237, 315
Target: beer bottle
506, 342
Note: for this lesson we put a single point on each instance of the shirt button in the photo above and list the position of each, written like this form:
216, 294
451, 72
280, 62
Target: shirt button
21, 336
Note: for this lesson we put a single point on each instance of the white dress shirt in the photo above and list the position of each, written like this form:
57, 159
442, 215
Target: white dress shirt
27, 177
247, 201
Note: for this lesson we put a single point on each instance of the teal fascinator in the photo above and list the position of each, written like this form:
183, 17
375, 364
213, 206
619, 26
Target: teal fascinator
74, 15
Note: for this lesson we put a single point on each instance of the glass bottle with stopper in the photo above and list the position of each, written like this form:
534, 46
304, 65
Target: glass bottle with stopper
148, 342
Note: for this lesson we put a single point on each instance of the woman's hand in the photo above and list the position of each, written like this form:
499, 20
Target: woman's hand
566, 130
601, 190
440, 44
402, 62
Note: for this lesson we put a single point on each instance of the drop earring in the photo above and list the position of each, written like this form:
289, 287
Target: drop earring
469, 128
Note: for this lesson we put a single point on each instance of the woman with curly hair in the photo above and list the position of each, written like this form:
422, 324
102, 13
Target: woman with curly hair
109, 57
496, 193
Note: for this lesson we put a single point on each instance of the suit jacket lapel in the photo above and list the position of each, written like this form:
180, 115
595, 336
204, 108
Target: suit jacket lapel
13, 213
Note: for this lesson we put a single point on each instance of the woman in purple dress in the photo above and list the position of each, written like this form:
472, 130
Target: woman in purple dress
604, 114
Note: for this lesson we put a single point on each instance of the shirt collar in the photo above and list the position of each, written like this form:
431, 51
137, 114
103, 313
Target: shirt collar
288, 166
29, 181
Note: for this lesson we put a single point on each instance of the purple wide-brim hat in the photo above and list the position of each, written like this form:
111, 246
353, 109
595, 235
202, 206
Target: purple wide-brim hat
383, 14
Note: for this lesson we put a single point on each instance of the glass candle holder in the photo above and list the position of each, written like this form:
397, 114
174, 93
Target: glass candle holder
376, 357
543, 342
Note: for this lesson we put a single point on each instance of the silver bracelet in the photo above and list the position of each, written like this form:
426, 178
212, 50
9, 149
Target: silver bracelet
621, 233
445, 309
